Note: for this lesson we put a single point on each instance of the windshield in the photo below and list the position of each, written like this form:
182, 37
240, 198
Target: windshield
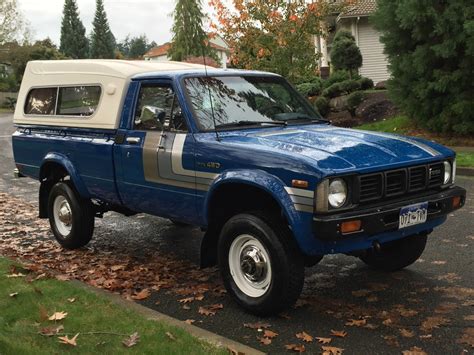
246, 99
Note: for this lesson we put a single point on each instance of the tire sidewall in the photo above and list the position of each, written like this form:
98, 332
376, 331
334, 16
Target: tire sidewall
75, 238
251, 225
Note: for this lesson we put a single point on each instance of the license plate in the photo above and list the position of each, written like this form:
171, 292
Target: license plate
413, 214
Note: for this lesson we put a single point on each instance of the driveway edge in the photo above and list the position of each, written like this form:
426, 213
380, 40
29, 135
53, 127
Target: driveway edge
151, 314
465, 171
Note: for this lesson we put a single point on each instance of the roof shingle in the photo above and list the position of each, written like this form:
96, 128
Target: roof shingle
362, 8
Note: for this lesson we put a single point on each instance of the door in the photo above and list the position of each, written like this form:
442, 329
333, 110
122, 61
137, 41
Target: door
157, 156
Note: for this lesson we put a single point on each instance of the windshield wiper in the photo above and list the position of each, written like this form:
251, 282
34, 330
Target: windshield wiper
251, 123
295, 117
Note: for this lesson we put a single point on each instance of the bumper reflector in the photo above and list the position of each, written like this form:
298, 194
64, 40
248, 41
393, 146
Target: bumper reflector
456, 201
351, 226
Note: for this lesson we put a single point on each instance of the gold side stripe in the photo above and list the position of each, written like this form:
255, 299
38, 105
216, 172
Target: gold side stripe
299, 192
304, 208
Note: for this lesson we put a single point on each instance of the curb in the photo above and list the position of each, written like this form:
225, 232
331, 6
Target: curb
197, 332
465, 171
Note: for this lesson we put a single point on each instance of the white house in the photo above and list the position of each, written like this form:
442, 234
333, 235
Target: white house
160, 53
355, 19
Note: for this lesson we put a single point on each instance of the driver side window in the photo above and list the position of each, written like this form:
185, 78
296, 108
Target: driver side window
158, 109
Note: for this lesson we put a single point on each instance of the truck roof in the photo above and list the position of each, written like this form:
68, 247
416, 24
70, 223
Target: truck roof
107, 67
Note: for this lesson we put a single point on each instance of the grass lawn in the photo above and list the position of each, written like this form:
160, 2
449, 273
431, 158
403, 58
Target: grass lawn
397, 124
6, 110
465, 159
102, 325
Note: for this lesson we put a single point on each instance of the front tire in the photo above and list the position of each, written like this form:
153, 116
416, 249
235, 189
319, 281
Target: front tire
71, 218
396, 255
260, 263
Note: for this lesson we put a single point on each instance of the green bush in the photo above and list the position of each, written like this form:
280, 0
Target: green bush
355, 99
336, 77
309, 89
341, 88
345, 54
366, 83
332, 91
322, 104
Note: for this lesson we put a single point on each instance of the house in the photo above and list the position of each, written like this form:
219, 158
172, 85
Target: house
356, 19
160, 53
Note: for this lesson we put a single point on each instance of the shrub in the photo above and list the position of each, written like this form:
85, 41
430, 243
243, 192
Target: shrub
349, 86
332, 91
345, 54
354, 100
366, 83
309, 89
322, 104
336, 77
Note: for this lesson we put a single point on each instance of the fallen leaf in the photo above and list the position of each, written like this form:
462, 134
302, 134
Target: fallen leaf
323, 340
71, 300
65, 340
211, 309
14, 294
186, 307
270, 334
295, 348
142, 295
439, 262
431, 323
406, 333
264, 341
117, 267
414, 351
132, 340
58, 316
338, 333
186, 300
467, 337
391, 340
257, 325
189, 321
469, 318
51, 331
305, 337
387, 321
361, 293
171, 336
426, 336
356, 322
12, 276
331, 350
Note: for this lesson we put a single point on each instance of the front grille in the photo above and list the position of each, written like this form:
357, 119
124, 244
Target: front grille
398, 182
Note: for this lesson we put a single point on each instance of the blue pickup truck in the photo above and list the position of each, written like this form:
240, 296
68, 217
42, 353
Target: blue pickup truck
238, 153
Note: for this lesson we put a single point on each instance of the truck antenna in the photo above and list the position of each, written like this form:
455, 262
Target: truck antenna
209, 93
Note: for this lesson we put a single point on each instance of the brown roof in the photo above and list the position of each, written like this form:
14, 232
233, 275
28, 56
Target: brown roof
362, 8
164, 48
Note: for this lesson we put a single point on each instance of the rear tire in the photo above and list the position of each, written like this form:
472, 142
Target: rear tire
396, 255
71, 218
260, 263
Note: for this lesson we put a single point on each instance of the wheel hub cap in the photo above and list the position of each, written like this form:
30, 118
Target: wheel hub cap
253, 264
64, 213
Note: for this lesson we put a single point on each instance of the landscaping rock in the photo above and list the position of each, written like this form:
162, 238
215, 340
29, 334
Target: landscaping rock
376, 107
338, 103
342, 119
381, 85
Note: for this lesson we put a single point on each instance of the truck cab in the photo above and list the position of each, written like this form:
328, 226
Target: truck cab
238, 153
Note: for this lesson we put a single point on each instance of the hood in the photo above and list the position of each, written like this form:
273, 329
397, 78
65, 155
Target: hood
340, 149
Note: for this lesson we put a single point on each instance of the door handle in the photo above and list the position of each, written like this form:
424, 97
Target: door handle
133, 140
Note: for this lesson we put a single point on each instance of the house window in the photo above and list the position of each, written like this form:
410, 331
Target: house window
78, 100
41, 101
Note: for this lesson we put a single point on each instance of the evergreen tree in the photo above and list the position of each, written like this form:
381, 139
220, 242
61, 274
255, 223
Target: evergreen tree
430, 48
189, 38
102, 39
345, 55
74, 42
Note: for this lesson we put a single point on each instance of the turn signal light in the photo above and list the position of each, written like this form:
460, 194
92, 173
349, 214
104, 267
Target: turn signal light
302, 184
351, 226
457, 202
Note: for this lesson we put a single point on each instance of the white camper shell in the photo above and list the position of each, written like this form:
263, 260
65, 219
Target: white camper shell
101, 83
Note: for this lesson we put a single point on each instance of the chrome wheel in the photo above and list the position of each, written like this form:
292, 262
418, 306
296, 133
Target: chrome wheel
250, 266
62, 215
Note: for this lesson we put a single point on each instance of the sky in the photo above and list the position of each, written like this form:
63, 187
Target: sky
135, 17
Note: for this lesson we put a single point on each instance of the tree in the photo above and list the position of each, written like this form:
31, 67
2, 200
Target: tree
345, 54
189, 38
274, 35
12, 24
74, 42
430, 50
135, 47
102, 39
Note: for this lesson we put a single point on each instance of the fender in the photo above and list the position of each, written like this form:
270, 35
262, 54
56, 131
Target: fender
64, 161
275, 188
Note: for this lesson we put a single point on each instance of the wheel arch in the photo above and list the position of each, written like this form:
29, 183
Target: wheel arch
55, 167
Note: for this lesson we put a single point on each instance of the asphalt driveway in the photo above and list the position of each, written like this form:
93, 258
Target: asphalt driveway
430, 305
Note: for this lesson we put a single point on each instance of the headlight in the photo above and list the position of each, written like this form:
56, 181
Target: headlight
337, 194
447, 172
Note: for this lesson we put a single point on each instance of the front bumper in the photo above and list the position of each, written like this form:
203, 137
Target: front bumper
383, 219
